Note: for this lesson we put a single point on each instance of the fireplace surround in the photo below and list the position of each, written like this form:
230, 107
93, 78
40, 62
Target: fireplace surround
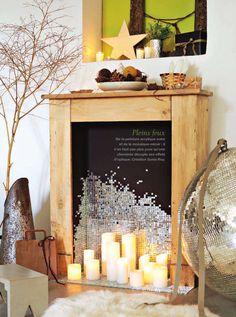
187, 110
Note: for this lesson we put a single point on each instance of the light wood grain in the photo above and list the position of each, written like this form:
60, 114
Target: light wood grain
116, 109
189, 149
60, 181
142, 93
189, 116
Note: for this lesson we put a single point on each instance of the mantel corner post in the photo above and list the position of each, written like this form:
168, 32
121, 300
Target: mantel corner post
61, 181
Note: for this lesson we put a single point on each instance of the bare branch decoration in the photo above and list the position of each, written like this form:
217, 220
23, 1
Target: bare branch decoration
40, 53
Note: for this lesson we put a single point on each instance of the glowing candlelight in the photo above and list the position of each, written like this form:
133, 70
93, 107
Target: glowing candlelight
74, 272
129, 250
148, 272
99, 56
107, 238
93, 270
139, 53
143, 260
113, 255
122, 271
160, 276
162, 259
88, 255
137, 278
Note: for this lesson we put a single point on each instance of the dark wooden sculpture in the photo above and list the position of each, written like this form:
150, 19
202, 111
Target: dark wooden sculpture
137, 13
200, 15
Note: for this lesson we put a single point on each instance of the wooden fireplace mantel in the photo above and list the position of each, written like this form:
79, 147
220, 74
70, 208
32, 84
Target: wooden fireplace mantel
187, 109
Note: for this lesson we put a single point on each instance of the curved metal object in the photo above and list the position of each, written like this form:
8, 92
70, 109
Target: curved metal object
18, 218
219, 223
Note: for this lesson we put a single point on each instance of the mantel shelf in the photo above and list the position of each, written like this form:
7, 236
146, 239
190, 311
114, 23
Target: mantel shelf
113, 94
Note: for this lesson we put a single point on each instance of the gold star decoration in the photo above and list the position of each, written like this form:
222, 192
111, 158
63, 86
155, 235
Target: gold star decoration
124, 43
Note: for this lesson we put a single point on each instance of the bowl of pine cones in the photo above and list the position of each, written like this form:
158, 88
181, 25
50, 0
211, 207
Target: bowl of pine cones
125, 79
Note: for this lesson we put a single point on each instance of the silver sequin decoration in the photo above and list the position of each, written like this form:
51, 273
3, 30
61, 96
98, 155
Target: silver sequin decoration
219, 224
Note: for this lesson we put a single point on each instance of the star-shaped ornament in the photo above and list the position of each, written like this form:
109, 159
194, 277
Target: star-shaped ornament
124, 43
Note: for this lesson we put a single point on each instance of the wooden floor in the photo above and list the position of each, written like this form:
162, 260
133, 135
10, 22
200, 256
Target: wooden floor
216, 303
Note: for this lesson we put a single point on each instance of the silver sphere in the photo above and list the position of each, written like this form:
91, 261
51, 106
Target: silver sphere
219, 224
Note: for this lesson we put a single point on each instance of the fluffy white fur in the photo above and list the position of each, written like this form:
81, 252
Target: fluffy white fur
114, 304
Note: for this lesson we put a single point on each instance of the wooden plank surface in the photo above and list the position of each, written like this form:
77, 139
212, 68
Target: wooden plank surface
142, 93
189, 150
116, 109
60, 181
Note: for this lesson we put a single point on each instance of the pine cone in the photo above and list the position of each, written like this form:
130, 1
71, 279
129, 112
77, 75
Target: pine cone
115, 76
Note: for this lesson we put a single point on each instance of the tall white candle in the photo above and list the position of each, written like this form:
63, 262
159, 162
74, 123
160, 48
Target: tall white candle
162, 259
93, 270
113, 255
143, 260
147, 52
148, 272
107, 238
88, 255
74, 272
139, 53
137, 278
160, 276
122, 271
129, 250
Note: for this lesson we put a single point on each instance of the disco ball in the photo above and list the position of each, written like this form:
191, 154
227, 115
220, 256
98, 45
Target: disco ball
219, 224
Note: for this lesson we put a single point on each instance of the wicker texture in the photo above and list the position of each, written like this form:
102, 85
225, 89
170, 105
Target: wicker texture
173, 80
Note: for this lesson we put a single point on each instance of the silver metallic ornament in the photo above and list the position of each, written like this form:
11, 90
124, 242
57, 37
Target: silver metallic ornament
17, 219
219, 224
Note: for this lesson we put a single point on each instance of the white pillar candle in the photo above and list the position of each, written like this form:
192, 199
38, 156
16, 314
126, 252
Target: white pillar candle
122, 271
88, 255
113, 255
99, 56
148, 272
107, 238
137, 278
139, 53
129, 250
160, 276
162, 259
74, 272
143, 260
92, 270
147, 52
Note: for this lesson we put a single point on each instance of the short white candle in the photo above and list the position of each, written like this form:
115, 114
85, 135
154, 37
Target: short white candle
113, 255
147, 52
148, 272
122, 271
137, 278
143, 260
92, 270
129, 250
160, 276
88, 255
107, 238
74, 272
139, 53
99, 56
162, 259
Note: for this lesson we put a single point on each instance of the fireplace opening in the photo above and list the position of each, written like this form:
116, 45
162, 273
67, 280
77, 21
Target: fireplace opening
121, 183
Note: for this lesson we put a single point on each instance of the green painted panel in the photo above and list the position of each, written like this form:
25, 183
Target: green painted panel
116, 11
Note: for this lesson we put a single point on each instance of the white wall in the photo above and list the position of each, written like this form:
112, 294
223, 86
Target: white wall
217, 67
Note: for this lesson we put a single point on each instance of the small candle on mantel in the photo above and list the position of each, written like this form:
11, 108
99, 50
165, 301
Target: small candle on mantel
74, 272
137, 278
162, 259
122, 271
107, 238
139, 53
93, 270
143, 260
113, 255
160, 276
88, 255
147, 52
99, 57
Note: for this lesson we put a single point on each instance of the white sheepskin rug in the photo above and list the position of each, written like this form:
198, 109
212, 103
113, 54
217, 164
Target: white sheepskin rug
113, 304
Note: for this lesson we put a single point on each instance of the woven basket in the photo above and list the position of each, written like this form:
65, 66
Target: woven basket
173, 80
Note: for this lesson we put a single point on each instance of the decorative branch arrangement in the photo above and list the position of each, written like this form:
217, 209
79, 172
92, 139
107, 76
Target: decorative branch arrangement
38, 54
